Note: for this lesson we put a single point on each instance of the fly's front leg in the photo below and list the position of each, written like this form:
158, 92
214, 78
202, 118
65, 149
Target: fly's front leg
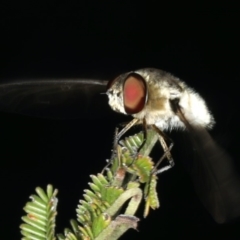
167, 152
114, 152
144, 137
118, 135
136, 149
115, 144
124, 130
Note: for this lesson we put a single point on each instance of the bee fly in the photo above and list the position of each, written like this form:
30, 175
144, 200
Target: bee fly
158, 99
154, 98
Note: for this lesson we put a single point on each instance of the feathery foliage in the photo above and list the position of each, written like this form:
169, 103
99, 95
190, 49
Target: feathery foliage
102, 214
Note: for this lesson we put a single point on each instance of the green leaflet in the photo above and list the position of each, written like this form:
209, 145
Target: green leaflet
150, 194
41, 213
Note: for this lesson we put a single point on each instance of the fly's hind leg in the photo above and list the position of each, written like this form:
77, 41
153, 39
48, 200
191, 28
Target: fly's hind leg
167, 152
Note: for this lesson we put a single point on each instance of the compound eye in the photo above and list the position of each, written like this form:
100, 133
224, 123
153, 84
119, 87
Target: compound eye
134, 93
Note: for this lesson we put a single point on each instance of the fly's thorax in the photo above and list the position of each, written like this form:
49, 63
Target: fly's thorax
158, 109
160, 93
164, 88
160, 78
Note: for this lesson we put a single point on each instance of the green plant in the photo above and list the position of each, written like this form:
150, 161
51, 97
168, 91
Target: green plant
101, 215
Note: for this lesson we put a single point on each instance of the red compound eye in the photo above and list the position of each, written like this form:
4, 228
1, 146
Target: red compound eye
134, 94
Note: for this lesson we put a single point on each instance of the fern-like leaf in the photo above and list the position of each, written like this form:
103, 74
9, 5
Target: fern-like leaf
39, 223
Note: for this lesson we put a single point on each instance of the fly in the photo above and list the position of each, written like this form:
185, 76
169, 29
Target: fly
153, 98
160, 100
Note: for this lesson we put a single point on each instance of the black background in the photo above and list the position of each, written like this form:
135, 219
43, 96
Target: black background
198, 43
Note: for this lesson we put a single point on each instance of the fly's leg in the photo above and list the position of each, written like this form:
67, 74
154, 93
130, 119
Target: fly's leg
114, 152
144, 138
115, 146
135, 121
167, 152
135, 150
170, 162
118, 135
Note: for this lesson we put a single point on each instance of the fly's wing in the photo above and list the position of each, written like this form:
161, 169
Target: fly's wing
55, 98
216, 181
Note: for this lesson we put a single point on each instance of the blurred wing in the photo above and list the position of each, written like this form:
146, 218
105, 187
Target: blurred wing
50, 98
214, 175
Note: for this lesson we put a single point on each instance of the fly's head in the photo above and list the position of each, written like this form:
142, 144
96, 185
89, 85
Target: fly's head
127, 93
